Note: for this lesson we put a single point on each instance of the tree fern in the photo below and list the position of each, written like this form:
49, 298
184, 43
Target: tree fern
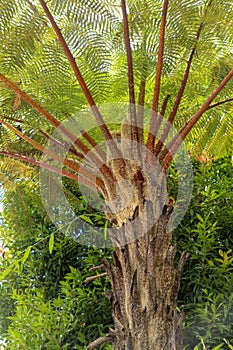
176, 58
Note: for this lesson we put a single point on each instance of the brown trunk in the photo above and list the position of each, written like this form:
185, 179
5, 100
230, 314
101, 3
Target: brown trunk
145, 286
145, 281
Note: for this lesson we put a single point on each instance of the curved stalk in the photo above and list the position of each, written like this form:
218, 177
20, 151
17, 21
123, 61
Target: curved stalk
173, 145
180, 93
76, 166
154, 112
141, 97
220, 103
178, 98
103, 127
92, 142
164, 105
104, 169
61, 144
52, 168
134, 131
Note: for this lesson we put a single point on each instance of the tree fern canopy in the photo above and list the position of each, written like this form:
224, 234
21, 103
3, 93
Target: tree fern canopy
104, 93
31, 56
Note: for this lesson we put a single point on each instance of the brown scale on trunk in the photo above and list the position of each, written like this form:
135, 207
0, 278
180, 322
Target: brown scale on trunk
144, 280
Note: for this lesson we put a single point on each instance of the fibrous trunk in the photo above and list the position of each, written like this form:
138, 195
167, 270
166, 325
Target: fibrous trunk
145, 285
145, 281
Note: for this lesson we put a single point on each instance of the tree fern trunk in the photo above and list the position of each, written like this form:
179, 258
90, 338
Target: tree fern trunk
145, 286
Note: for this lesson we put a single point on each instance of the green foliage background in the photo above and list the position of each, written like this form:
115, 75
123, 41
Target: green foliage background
46, 303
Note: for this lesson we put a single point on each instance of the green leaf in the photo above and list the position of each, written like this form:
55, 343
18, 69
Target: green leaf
26, 255
81, 338
105, 229
200, 218
7, 272
220, 252
86, 218
51, 243
218, 347
228, 344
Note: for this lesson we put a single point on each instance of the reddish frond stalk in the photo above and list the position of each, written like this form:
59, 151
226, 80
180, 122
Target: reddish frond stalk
13, 119
140, 110
176, 141
129, 53
189, 125
141, 95
52, 168
68, 54
92, 142
104, 169
103, 127
164, 105
62, 144
220, 103
151, 136
76, 166
167, 162
160, 58
142, 91
29, 100
160, 116
166, 153
43, 112
178, 97
163, 154
133, 120
181, 89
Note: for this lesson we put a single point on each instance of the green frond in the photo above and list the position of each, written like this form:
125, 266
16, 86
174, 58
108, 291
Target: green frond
214, 132
8, 138
31, 55
11, 170
19, 38
8, 10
